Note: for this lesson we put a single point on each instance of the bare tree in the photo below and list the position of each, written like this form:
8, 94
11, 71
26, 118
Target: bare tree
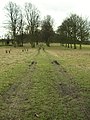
21, 25
33, 20
12, 18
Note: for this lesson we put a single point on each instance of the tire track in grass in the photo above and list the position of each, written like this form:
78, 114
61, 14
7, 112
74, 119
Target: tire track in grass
12, 70
45, 92
34, 97
15, 94
17, 103
71, 92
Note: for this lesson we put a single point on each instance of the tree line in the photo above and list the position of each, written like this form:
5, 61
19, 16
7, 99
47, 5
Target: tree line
74, 30
26, 26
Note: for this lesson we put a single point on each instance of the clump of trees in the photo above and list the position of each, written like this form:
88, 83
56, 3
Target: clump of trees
26, 26
74, 30
33, 21
13, 15
18, 25
47, 29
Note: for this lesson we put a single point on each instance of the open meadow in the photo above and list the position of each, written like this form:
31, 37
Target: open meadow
44, 85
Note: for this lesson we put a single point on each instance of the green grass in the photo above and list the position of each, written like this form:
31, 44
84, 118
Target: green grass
45, 91
13, 65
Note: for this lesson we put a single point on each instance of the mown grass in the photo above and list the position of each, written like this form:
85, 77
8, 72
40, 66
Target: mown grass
47, 91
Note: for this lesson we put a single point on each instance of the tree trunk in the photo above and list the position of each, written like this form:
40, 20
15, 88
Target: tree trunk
80, 45
71, 45
48, 42
68, 45
36, 42
75, 46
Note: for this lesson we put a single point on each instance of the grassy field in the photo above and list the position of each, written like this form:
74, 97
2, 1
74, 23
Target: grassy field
48, 85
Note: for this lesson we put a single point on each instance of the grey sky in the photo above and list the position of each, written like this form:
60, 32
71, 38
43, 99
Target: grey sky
58, 9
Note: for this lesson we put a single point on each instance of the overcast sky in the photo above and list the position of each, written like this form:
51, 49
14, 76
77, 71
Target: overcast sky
58, 9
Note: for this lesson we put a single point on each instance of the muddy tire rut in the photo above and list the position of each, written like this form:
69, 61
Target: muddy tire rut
16, 101
16, 95
70, 91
